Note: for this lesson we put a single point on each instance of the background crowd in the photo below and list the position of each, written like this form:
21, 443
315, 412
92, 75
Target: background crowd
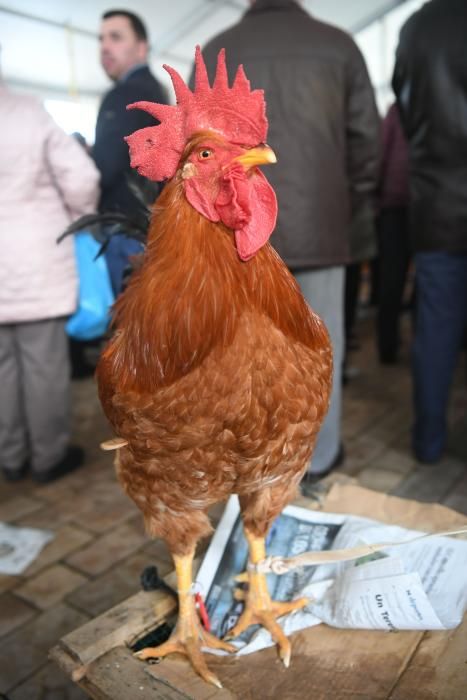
352, 188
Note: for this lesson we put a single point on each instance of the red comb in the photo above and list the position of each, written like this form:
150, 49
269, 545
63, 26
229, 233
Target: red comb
237, 113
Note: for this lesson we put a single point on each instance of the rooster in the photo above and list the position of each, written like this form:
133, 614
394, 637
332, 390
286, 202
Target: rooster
218, 375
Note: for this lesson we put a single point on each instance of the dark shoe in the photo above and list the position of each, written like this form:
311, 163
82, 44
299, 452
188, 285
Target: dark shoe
82, 371
310, 478
13, 475
80, 367
428, 459
388, 358
388, 351
429, 440
73, 459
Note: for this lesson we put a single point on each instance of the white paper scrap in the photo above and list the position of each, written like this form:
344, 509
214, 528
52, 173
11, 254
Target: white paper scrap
19, 546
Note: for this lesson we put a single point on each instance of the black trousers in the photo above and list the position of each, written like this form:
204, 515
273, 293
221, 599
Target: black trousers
394, 258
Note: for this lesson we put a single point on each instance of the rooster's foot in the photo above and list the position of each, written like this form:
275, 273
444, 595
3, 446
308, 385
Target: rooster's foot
266, 616
259, 607
188, 639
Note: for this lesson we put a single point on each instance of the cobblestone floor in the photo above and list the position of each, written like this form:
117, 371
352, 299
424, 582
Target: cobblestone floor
100, 548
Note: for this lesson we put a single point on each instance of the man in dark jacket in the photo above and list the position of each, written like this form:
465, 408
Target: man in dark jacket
430, 82
324, 129
124, 51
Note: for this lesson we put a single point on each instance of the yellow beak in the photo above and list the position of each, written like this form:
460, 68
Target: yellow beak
261, 155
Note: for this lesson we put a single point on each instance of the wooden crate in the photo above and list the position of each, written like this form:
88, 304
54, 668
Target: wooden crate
327, 663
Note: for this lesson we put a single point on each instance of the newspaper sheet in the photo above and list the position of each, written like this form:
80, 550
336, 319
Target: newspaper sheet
419, 586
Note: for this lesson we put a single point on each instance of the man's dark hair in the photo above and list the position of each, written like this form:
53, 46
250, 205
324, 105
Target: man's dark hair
137, 24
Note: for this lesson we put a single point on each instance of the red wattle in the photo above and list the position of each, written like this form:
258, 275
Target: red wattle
257, 214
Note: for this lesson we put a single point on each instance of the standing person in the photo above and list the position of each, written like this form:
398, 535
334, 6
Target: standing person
430, 82
124, 54
362, 236
324, 128
393, 235
46, 181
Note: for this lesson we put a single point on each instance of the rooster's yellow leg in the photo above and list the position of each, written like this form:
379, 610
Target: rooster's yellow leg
189, 635
259, 608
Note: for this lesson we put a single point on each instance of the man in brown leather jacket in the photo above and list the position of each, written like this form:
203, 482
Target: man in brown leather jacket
430, 82
324, 129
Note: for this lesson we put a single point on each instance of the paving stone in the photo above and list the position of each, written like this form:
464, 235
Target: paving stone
15, 508
85, 508
112, 547
49, 587
379, 479
53, 517
67, 505
67, 539
25, 650
9, 490
108, 489
157, 551
84, 479
402, 442
138, 523
364, 447
100, 517
13, 613
122, 581
432, 482
55, 491
360, 452
99, 504
395, 461
393, 423
9, 582
360, 415
50, 683
457, 499
77, 484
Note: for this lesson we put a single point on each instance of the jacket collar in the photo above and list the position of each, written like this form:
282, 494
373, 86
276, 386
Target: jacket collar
132, 71
262, 5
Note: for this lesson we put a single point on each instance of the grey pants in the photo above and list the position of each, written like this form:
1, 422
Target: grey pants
324, 291
34, 394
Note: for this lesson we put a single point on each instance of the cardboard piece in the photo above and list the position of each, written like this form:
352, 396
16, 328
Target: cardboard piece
326, 663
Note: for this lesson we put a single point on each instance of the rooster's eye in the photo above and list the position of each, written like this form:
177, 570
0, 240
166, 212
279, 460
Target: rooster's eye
204, 154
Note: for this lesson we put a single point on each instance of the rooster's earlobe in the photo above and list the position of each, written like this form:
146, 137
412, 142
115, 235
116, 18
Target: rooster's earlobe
188, 170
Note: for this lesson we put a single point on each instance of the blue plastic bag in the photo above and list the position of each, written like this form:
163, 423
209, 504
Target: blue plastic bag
91, 318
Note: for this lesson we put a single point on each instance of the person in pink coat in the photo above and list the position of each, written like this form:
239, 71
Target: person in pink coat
46, 181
